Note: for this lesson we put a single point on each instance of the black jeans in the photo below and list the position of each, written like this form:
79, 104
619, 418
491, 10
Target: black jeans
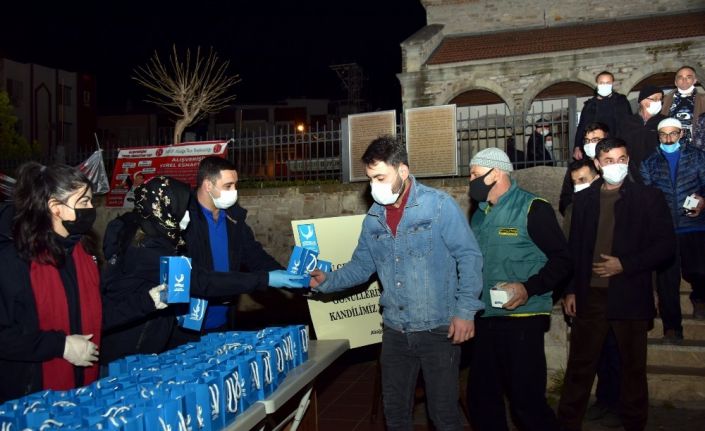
690, 262
403, 354
508, 359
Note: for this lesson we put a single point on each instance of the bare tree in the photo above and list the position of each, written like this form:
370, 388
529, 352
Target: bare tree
189, 89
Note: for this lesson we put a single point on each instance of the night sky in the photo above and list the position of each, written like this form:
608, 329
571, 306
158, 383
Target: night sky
279, 48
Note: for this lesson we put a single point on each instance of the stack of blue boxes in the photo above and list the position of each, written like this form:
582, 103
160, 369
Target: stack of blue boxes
197, 386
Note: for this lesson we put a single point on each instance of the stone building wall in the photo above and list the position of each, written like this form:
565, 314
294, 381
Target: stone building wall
482, 16
517, 80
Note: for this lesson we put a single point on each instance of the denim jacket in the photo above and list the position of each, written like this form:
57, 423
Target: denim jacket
430, 271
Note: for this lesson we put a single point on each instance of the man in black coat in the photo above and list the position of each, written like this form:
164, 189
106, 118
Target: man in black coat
605, 107
539, 145
621, 231
219, 239
639, 130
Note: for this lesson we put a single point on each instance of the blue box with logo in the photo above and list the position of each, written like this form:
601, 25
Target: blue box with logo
175, 272
193, 320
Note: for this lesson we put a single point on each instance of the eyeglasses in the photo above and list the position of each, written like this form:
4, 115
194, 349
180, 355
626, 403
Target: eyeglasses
592, 140
671, 134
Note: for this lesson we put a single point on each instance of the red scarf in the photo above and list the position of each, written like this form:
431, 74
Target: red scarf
53, 313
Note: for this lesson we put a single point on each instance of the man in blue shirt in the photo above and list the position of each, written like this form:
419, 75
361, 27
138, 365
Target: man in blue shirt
678, 169
218, 238
419, 243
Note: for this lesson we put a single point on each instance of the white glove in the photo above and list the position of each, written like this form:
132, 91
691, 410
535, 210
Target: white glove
155, 294
80, 351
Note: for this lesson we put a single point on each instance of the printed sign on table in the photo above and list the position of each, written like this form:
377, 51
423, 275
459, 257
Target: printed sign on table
353, 314
136, 165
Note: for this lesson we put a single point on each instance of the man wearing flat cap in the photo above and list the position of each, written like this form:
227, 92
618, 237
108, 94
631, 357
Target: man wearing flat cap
639, 130
525, 257
678, 169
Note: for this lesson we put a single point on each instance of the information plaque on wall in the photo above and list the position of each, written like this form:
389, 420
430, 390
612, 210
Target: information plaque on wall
431, 140
363, 129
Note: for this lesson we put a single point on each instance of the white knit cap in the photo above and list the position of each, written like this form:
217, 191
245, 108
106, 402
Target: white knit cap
492, 158
670, 122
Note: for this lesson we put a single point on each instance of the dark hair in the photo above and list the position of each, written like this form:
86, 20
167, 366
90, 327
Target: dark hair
32, 228
604, 72
210, 167
608, 144
387, 149
597, 126
579, 164
685, 66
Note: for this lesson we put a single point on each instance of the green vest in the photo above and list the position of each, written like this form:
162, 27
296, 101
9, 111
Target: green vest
508, 252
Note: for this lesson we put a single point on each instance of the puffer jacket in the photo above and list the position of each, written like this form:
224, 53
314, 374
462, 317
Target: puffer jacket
690, 178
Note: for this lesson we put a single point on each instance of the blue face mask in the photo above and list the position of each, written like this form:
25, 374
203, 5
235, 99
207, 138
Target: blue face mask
670, 148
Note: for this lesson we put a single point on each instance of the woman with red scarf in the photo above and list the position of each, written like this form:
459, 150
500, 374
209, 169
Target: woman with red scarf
50, 302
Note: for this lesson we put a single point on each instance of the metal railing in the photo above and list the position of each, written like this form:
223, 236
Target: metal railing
285, 154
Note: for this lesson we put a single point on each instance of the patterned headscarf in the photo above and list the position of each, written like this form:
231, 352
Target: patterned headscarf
161, 203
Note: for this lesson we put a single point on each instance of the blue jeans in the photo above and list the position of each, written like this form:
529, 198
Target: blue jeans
403, 354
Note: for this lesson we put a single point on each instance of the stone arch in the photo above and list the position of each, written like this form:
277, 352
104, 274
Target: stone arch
476, 97
643, 72
550, 79
466, 85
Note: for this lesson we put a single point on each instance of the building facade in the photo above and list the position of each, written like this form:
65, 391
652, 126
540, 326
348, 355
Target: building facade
54, 107
512, 54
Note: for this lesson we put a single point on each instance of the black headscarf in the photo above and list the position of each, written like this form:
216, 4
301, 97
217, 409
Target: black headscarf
161, 203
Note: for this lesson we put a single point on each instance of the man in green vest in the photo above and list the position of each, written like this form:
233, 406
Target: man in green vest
525, 258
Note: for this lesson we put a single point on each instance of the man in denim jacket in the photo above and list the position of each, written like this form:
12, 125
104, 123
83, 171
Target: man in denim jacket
419, 243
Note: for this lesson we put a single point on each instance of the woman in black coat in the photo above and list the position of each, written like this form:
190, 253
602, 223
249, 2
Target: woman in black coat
133, 244
50, 304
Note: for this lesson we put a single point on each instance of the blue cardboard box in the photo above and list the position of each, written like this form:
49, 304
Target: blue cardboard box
193, 320
307, 237
175, 272
324, 266
302, 262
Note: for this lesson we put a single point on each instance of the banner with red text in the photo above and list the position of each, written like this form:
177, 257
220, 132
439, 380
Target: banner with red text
136, 165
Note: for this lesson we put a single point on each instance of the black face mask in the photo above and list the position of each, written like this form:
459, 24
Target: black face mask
85, 217
479, 190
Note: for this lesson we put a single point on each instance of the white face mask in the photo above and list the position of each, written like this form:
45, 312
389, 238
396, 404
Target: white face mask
548, 144
687, 90
183, 224
580, 187
226, 200
590, 150
604, 90
614, 173
382, 193
654, 108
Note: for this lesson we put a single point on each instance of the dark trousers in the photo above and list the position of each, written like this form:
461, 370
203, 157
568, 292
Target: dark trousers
692, 260
668, 282
403, 354
607, 392
508, 360
587, 337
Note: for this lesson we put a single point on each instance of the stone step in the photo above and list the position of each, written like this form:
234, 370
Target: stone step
692, 329
690, 353
686, 305
677, 385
